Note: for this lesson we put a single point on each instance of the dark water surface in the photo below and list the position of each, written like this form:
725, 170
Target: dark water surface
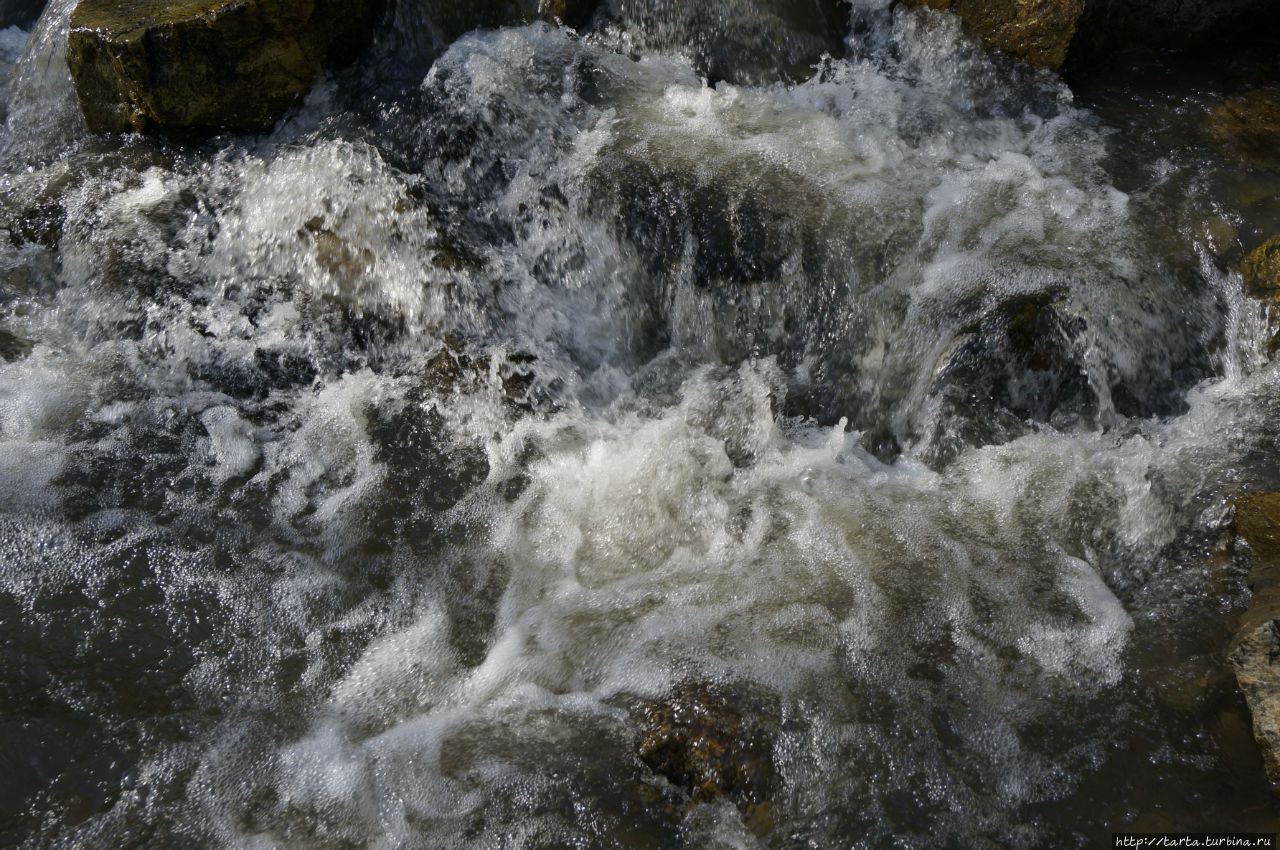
360, 483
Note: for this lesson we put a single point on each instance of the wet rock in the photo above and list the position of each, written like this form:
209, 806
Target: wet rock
13, 347
738, 234
418, 31
1109, 28
33, 206
1261, 270
202, 65
1036, 31
452, 370
1255, 649
1249, 125
1017, 362
701, 741
741, 41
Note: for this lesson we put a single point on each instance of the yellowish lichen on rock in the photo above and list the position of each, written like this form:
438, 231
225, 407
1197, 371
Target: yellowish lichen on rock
1261, 270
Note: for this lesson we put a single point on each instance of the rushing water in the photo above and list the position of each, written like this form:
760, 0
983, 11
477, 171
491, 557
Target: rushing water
359, 483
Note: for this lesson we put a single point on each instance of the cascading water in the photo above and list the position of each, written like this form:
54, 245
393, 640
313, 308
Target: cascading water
362, 482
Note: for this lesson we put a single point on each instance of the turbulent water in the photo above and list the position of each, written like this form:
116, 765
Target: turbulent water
360, 483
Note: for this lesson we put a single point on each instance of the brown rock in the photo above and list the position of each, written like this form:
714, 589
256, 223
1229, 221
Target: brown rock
1249, 125
1035, 31
182, 66
701, 742
1261, 270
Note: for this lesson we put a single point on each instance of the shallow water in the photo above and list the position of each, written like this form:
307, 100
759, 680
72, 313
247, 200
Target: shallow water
361, 482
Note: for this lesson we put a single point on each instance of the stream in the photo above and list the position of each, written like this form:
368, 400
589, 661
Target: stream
362, 482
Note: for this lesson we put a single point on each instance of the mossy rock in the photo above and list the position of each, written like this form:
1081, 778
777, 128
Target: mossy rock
1038, 32
192, 66
1255, 650
1261, 270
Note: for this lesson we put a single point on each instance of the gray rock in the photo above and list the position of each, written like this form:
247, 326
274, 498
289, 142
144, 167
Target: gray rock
1255, 649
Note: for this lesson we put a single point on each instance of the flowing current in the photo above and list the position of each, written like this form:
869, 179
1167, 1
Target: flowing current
361, 483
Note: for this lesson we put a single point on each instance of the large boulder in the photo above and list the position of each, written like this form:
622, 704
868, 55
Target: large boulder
1036, 31
184, 66
1255, 649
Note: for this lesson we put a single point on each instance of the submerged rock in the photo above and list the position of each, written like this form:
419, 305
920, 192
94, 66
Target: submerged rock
1249, 125
13, 347
741, 41
1255, 650
701, 742
200, 65
1036, 31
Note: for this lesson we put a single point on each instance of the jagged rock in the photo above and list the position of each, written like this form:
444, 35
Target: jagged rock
1255, 649
183, 66
1036, 31
701, 742
741, 41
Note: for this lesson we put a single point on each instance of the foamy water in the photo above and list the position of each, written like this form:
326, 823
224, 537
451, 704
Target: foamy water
362, 480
